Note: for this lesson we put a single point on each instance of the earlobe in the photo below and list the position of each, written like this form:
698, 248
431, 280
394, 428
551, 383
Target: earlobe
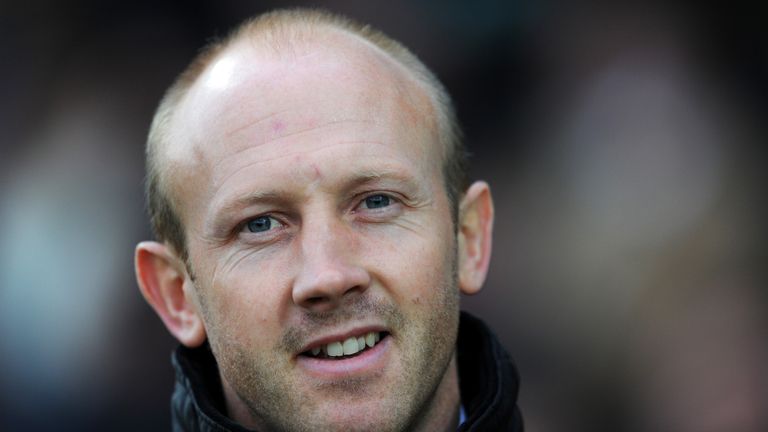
161, 278
475, 230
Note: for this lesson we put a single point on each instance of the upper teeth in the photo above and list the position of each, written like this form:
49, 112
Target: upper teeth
348, 346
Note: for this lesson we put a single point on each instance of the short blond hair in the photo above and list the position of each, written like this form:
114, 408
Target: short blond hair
276, 29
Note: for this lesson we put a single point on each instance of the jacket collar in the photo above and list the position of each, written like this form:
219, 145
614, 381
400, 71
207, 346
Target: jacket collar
487, 378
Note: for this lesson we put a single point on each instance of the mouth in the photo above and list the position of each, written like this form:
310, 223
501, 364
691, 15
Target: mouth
347, 347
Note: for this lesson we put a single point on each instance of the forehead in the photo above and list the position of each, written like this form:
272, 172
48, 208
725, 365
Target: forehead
335, 72
333, 89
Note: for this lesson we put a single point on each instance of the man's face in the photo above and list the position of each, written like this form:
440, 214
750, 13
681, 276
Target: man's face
312, 196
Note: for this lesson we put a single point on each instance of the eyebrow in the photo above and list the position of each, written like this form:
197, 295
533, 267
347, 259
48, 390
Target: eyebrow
368, 176
247, 201
358, 179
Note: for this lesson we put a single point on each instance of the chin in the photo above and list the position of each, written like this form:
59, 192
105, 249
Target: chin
371, 412
343, 417
363, 423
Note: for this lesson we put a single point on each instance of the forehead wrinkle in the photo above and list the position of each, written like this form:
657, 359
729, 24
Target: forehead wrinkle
226, 178
254, 122
251, 146
322, 126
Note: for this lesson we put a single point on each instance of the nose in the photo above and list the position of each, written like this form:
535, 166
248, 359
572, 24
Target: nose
328, 270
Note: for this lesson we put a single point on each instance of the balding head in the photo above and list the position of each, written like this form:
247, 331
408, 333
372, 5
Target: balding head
283, 36
308, 169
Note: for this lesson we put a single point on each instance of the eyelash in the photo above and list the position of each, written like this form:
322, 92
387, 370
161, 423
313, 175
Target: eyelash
391, 203
391, 200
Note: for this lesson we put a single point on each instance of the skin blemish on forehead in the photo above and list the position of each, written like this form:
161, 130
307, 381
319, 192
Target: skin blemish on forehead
256, 121
306, 171
311, 171
316, 172
298, 161
278, 126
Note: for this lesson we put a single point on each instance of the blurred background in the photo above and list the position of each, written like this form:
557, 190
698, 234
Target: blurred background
624, 142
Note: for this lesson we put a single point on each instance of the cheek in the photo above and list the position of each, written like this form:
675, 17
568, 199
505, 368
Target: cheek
416, 269
246, 300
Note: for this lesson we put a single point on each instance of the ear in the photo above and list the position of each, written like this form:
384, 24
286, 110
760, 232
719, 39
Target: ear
162, 278
475, 230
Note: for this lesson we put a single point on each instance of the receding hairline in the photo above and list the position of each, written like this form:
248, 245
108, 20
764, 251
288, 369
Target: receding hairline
282, 33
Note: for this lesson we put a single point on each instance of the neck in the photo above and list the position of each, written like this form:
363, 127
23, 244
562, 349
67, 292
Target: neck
442, 412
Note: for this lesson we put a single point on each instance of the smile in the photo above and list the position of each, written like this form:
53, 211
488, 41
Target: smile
349, 347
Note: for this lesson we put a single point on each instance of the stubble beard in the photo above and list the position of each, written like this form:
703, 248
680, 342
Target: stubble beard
426, 346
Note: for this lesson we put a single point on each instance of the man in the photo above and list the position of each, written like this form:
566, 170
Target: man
305, 184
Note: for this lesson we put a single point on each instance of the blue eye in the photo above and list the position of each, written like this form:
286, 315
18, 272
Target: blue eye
377, 201
259, 224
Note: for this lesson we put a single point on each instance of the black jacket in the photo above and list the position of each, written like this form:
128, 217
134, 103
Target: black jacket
488, 383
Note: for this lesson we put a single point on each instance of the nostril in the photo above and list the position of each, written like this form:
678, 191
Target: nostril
328, 287
316, 300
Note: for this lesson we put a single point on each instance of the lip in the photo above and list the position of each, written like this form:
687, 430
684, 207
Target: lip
341, 337
370, 362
